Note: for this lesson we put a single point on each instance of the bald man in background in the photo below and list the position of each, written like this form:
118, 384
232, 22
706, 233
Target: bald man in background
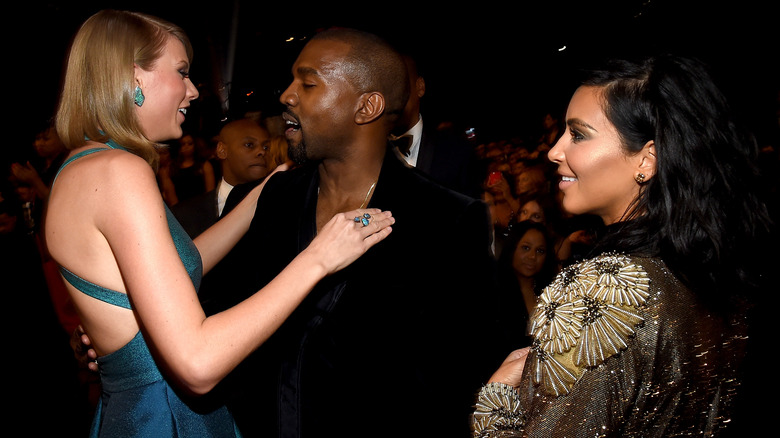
241, 148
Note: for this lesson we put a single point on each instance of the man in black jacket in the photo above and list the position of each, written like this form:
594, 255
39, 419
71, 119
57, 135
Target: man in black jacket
398, 343
440, 152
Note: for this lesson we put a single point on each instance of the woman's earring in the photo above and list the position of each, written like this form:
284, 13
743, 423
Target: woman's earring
139, 96
640, 178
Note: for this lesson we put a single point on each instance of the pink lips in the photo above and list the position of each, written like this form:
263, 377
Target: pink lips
566, 181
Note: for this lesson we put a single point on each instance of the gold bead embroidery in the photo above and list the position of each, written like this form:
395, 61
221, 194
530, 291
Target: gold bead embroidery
497, 409
585, 316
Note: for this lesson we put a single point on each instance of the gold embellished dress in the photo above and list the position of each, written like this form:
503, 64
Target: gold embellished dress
621, 348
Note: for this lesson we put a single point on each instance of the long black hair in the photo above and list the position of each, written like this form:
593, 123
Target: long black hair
702, 212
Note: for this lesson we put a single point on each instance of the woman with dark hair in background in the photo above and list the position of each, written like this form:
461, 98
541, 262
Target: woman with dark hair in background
525, 267
191, 172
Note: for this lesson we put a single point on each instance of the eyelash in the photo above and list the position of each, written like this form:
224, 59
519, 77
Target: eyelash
184, 74
576, 135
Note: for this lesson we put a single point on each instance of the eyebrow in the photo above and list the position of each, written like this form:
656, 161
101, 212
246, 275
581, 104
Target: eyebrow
581, 123
182, 63
307, 71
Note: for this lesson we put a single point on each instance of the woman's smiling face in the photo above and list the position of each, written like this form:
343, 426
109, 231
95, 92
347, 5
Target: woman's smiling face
168, 91
597, 177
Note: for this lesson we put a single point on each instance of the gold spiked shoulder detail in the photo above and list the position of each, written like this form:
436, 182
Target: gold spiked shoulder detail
585, 316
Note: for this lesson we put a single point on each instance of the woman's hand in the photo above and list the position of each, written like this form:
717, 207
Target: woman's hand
345, 237
216, 241
511, 370
280, 168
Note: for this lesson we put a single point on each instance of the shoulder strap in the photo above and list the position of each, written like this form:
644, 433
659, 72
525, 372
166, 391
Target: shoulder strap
110, 143
98, 292
74, 158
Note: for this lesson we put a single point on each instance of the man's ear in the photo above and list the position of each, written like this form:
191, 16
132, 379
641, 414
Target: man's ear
419, 87
370, 107
221, 151
647, 160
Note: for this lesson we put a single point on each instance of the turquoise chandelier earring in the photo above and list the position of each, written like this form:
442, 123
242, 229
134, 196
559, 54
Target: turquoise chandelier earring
139, 96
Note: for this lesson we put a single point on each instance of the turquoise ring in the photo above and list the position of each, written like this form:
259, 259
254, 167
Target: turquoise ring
363, 219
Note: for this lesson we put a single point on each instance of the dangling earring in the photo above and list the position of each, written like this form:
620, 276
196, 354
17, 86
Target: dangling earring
640, 178
139, 96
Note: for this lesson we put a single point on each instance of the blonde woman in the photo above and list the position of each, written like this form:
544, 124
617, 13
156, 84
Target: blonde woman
131, 271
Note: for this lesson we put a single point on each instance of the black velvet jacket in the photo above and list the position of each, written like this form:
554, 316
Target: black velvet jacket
418, 314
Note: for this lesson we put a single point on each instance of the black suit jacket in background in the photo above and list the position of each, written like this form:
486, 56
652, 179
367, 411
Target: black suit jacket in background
451, 160
396, 344
198, 213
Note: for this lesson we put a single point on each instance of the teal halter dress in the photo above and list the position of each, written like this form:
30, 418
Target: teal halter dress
137, 401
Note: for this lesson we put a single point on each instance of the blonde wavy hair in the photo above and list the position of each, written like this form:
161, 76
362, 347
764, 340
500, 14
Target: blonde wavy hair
98, 88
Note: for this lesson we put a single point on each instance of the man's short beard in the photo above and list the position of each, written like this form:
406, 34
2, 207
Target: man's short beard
297, 153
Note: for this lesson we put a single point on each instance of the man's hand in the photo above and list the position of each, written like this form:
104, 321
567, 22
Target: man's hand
85, 355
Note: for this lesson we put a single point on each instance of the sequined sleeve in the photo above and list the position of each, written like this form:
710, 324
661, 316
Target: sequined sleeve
621, 348
497, 412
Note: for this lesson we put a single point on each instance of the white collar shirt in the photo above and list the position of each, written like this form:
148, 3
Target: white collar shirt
222, 194
416, 133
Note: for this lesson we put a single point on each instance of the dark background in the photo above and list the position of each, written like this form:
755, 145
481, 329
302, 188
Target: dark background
493, 67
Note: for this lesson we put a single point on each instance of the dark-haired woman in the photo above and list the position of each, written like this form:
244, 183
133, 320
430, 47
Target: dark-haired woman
525, 267
647, 335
